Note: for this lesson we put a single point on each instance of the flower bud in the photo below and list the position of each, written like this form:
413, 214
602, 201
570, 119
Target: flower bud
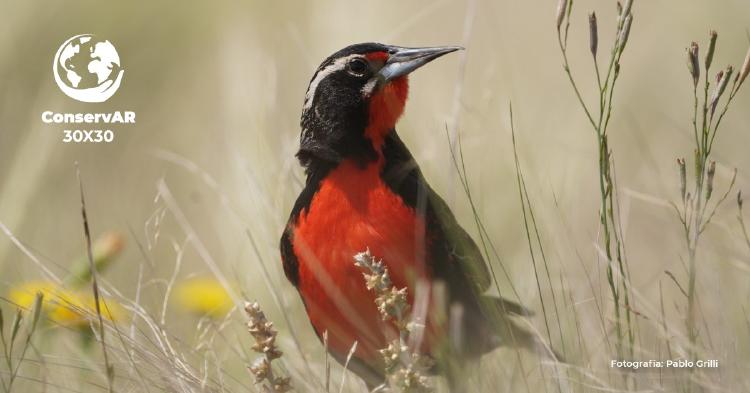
562, 7
711, 48
593, 34
625, 32
739, 199
719, 90
683, 177
627, 7
698, 168
693, 64
745, 70
710, 179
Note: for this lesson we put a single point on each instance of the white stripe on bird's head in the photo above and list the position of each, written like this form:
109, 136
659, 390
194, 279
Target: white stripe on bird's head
337, 65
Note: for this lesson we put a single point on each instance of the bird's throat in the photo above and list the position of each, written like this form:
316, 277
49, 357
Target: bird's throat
386, 106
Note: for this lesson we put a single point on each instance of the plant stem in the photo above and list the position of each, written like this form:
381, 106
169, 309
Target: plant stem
612, 240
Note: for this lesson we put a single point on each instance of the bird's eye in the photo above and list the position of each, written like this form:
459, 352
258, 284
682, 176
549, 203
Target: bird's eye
357, 67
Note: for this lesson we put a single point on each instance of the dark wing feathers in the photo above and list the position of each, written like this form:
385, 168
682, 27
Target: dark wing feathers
454, 255
288, 259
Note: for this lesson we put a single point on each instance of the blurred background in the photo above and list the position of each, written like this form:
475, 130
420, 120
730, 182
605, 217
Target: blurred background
206, 177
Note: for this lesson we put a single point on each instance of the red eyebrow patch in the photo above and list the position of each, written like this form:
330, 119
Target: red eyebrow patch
381, 55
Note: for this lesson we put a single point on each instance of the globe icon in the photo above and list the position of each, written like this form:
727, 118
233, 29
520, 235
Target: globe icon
87, 68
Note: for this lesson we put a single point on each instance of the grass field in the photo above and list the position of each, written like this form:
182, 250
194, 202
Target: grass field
186, 206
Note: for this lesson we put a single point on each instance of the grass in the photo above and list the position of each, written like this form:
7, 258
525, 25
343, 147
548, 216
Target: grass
594, 301
612, 242
109, 370
693, 211
14, 340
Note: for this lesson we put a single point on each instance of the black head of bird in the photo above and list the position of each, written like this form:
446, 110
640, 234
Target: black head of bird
355, 97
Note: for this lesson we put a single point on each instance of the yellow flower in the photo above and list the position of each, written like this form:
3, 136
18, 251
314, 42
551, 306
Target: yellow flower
110, 309
24, 294
203, 296
62, 306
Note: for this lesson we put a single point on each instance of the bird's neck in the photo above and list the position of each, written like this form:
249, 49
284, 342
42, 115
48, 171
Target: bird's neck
386, 106
348, 141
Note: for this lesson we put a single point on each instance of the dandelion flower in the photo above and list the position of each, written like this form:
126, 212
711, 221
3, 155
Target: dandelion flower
24, 294
62, 306
203, 296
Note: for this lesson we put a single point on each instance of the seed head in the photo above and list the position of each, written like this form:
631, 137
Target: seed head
411, 380
281, 385
265, 343
259, 369
403, 367
392, 356
391, 301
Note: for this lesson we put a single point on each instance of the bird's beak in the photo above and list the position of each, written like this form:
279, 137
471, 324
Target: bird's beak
402, 61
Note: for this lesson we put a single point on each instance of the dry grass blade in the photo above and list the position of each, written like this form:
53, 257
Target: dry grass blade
530, 223
109, 369
327, 362
346, 366
8, 345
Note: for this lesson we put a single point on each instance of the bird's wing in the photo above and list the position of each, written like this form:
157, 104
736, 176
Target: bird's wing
453, 251
454, 256
288, 259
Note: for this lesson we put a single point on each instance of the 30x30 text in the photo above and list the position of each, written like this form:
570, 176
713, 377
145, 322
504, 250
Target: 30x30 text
88, 136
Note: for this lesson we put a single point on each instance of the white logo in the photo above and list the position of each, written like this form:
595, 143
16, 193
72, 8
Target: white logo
87, 69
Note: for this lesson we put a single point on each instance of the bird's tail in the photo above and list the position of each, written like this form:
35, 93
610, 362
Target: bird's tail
504, 316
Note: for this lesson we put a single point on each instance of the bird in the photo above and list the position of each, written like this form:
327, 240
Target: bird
365, 191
